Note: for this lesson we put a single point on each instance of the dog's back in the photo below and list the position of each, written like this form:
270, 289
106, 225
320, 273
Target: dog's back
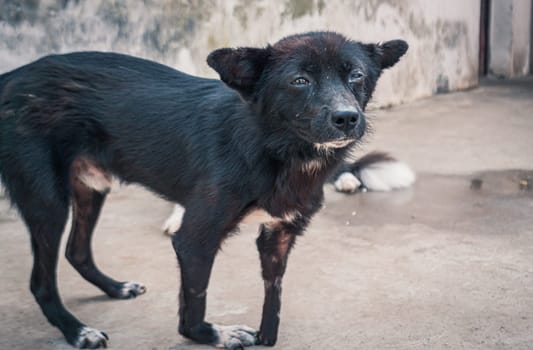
119, 112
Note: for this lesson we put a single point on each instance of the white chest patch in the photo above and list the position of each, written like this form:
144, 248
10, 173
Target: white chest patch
312, 166
261, 216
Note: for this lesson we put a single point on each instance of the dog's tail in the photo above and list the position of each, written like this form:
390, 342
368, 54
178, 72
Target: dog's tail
376, 171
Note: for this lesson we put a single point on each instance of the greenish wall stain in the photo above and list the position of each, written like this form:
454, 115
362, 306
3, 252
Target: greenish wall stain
298, 8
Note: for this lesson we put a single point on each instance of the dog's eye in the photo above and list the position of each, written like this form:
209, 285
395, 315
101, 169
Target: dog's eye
356, 77
300, 81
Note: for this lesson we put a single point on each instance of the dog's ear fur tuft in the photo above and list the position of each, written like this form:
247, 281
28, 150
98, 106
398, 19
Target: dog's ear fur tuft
239, 68
387, 53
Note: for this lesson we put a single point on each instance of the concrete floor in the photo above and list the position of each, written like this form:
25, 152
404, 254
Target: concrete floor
440, 266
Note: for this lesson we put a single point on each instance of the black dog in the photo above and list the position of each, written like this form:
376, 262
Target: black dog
266, 138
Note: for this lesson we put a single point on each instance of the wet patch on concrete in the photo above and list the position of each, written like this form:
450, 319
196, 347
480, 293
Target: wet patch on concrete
504, 182
487, 199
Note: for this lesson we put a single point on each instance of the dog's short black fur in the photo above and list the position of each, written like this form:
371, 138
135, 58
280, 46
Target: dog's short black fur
265, 137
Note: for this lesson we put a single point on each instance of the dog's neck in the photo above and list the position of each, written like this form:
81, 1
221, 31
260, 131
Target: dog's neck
298, 184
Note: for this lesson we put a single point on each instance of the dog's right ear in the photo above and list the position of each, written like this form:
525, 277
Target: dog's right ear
239, 68
387, 53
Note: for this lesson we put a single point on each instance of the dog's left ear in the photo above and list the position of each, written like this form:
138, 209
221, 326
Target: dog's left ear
239, 68
387, 53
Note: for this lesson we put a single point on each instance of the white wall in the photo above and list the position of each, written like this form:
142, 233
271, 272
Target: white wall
443, 35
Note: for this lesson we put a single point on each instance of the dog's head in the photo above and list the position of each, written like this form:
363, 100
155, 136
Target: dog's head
315, 85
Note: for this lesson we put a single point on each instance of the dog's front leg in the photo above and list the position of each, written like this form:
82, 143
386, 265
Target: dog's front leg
274, 244
196, 244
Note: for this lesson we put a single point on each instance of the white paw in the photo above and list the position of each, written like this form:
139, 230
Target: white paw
235, 337
131, 290
173, 223
90, 338
347, 182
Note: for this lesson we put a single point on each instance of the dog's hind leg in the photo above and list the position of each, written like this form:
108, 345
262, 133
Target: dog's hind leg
86, 205
45, 239
196, 244
41, 195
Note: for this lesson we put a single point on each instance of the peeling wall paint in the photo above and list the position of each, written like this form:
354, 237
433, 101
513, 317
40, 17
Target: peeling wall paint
443, 36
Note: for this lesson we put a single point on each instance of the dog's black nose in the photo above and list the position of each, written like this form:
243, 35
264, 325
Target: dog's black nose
345, 120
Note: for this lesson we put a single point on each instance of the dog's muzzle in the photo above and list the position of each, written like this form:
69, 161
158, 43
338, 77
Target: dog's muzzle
345, 120
350, 121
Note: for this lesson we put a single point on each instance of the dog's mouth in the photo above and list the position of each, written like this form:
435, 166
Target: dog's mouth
323, 135
335, 144
326, 142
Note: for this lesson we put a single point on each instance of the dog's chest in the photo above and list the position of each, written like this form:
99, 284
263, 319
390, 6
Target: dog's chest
297, 190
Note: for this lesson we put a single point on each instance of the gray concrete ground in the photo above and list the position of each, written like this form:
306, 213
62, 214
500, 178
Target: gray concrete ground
440, 266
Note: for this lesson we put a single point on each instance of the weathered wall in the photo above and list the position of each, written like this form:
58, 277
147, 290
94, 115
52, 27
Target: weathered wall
531, 40
443, 35
509, 49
